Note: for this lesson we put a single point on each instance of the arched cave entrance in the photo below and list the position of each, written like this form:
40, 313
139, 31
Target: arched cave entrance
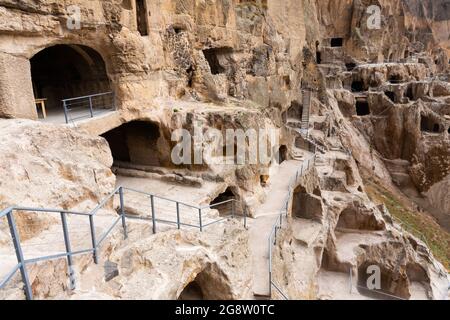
225, 209
210, 284
306, 206
67, 71
136, 142
192, 291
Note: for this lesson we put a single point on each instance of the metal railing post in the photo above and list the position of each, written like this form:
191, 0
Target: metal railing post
94, 242
122, 212
245, 217
351, 281
19, 254
200, 219
178, 216
90, 107
233, 208
66, 111
69, 251
152, 200
270, 266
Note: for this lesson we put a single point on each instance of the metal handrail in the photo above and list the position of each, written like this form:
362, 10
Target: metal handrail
22, 262
306, 165
76, 103
89, 96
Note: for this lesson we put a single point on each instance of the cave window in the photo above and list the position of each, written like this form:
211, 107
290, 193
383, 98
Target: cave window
390, 95
68, 71
319, 57
135, 142
350, 66
362, 108
337, 42
225, 209
357, 86
141, 17
213, 58
395, 78
448, 131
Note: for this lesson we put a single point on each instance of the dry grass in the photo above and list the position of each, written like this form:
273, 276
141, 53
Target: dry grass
417, 223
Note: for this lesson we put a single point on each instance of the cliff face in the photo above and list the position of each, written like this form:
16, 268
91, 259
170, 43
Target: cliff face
380, 105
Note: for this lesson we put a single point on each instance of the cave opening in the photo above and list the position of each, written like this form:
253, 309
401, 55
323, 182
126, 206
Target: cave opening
357, 86
319, 57
68, 71
352, 219
391, 95
141, 17
192, 291
216, 58
225, 209
135, 142
362, 108
350, 66
395, 78
210, 284
295, 111
410, 93
282, 154
392, 286
305, 205
337, 42
428, 125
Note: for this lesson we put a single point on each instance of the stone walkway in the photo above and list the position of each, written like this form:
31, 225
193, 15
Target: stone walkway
265, 217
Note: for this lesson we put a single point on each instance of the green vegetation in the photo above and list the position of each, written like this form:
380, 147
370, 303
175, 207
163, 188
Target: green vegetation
419, 224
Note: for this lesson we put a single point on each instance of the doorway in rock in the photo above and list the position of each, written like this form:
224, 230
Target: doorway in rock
210, 284
282, 154
141, 17
337, 42
362, 108
357, 86
67, 71
226, 209
136, 142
